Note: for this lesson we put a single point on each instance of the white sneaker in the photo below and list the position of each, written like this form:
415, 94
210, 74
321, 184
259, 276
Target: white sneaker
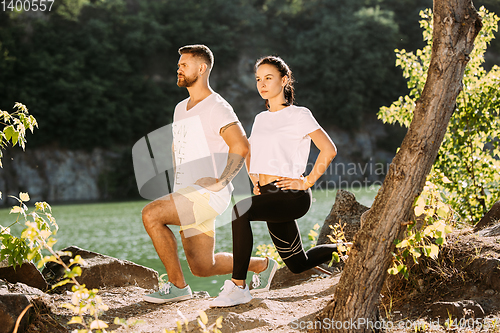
231, 295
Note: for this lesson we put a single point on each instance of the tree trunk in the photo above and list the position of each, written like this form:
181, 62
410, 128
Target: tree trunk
456, 25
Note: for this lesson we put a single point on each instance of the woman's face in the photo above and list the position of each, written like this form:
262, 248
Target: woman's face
269, 81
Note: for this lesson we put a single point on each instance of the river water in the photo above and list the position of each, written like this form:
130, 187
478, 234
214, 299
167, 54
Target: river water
116, 229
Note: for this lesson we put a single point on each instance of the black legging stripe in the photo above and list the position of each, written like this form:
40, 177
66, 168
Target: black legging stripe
280, 209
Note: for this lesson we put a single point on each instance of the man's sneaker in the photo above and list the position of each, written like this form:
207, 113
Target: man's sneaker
169, 293
262, 280
231, 295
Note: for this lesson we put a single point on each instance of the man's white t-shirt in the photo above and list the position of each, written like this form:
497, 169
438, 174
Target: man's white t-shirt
199, 149
280, 143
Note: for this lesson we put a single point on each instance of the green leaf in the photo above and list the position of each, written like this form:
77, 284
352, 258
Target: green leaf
61, 283
9, 131
434, 251
393, 270
439, 241
335, 258
420, 206
403, 243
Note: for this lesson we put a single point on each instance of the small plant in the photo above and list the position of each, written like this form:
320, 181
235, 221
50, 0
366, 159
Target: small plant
269, 250
437, 220
313, 234
15, 126
38, 234
343, 246
202, 323
127, 324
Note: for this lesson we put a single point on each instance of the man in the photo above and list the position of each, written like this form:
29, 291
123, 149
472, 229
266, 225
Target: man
209, 149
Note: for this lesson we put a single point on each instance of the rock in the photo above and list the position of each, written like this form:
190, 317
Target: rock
284, 278
20, 288
456, 310
490, 218
490, 231
53, 175
346, 211
14, 298
27, 273
11, 307
104, 271
487, 270
233, 322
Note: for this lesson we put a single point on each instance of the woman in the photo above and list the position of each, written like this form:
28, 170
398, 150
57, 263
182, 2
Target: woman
279, 149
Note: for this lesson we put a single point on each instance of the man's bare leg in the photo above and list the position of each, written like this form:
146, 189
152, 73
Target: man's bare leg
198, 247
156, 216
199, 250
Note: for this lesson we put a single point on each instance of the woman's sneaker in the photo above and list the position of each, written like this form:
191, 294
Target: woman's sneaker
262, 280
169, 293
231, 295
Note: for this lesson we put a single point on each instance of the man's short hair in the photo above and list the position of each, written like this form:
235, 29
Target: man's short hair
199, 51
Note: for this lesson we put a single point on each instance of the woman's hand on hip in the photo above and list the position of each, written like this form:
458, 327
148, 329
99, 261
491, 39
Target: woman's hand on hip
256, 189
291, 184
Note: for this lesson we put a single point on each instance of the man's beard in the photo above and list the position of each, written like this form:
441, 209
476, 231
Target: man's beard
186, 82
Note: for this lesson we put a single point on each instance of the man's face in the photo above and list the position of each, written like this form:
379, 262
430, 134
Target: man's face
188, 70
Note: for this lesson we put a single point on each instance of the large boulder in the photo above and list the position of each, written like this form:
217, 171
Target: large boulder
487, 270
11, 307
490, 218
492, 231
284, 278
346, 211
456, 310
14, 299
27, 273
103, 271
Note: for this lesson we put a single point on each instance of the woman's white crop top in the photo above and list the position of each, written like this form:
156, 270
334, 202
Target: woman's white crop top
280, 143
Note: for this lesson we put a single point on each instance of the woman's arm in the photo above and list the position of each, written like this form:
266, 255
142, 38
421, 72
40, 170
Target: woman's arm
327, 152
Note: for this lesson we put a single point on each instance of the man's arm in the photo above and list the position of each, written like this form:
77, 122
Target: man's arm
235, 138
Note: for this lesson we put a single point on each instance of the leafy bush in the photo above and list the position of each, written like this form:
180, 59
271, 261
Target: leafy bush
469, 157
425, 235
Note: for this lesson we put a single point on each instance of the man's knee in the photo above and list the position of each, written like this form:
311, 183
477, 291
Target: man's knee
200, 269
201, 262
147, 215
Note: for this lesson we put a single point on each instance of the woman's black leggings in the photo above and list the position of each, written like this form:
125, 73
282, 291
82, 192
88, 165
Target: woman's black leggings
280, 209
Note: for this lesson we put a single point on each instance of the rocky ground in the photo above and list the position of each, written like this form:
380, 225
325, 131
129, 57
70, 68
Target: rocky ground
467, 291
462, 284
286, 309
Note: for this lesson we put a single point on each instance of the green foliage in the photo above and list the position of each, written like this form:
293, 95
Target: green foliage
343, 60
202, 324
29, 246
15, 126
313, 235
425, 235
469, 156
38, 235
269, 250
343, 247
102, 73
